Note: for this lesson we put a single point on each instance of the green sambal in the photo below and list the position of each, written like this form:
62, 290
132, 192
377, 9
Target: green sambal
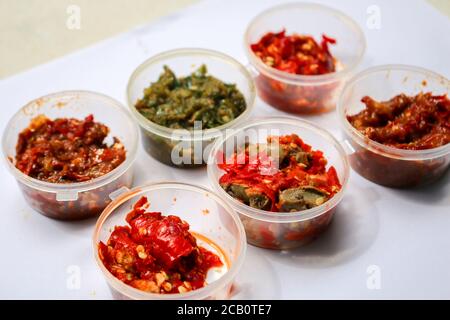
178, 103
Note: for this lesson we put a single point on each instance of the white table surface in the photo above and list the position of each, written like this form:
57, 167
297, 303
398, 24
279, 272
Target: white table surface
404, 233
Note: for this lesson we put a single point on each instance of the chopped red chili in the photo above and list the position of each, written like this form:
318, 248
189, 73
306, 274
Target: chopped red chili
157, 253
67, 150
406, 122
297, 54
283, 175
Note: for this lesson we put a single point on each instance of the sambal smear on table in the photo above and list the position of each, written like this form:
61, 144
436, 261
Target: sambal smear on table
296, 54
406, 122
283, 175
157, 253
177, 103
67, 150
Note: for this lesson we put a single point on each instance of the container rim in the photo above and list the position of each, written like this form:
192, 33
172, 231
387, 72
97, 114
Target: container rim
375, 146
201, 293
281, 217
78, 186
297, 79
186, 134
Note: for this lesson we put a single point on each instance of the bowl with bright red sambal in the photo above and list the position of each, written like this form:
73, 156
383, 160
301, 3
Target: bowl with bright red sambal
169, 241
283, 176
301, 54
396, 119
68, 151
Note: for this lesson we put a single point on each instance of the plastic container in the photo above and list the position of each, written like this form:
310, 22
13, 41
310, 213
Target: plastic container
186, 148
281, 230
71, 201
209, 216
305, 94
382, 164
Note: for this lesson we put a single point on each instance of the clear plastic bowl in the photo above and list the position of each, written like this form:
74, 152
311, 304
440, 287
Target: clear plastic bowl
71, 201
281, 230
184, 148
209, 216
305, 94
382, 164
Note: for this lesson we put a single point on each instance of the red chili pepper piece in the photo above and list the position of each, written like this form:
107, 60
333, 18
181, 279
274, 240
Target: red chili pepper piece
299, 167
156, 253
297, 54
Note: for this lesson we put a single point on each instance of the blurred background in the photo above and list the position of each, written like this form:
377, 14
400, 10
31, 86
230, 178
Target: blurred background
36, 31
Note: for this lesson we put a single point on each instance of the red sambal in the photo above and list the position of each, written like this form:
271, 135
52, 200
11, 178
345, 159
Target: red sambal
67, 150
283, 175
297, 54
157, 253
406, 122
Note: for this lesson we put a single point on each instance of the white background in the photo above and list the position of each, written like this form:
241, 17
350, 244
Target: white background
406, 233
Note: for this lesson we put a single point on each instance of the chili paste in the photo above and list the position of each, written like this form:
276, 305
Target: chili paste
178, 102
156, 253
67, 150
283, 175
297, 54
406, 122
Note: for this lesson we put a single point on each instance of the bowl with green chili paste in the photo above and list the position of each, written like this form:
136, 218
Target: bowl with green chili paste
184, 99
